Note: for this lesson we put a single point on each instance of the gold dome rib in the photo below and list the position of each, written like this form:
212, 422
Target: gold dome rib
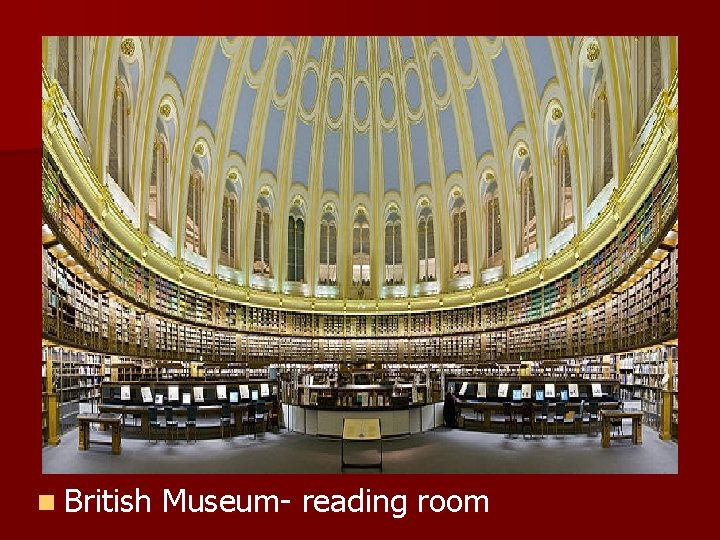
498, 138
254, 160
468, 160
437, 168
285, 154
223, 136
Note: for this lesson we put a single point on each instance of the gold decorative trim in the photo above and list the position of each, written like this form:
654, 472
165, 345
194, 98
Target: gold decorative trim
593, 52
127, 46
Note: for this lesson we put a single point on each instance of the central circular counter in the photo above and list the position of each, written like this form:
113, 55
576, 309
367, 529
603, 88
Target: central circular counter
328, 422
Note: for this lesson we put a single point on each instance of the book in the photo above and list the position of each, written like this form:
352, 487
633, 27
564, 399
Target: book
221, 392
186, 398
173, 393
264, 390
146, 394
550, 390
526, 391
573, 390
482, 390
125, 393
503, 390
198, 394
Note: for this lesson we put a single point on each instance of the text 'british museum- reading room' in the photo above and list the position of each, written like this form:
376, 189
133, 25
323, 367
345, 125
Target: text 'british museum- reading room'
310, 254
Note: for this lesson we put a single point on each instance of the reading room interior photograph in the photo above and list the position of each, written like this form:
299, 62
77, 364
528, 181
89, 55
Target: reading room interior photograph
359, 254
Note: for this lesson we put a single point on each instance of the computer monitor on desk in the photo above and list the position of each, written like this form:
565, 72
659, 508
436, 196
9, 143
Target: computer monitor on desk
255, 395
539, 395
563, 395
517, 395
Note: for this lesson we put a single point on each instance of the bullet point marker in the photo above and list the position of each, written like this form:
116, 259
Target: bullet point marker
47, 502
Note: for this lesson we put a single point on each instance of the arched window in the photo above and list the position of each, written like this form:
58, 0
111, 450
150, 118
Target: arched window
194, 219
602, 163
263, 220
648, 83
493, 230
69, 71
227, 231
158, 183
361, 249
328, 249
458, 227
426, 244
528, 218
393, 248
296, 244
565, 214
119, 153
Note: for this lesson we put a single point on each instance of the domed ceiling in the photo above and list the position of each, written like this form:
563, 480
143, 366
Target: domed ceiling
363, 166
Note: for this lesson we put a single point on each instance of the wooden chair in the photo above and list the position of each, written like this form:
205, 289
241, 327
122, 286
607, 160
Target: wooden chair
580, 418
527, 419
593, 417
171, 425
225, 419
559, 417
260, 414
153, 422
191, 422
273, 418
250, 420
510, 421
542, 418
617, 424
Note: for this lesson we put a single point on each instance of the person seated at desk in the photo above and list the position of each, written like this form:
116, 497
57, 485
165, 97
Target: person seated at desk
450, 410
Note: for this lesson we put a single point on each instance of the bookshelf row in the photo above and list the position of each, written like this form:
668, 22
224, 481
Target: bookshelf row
76, 379
644, 375
77, 313
115, 270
